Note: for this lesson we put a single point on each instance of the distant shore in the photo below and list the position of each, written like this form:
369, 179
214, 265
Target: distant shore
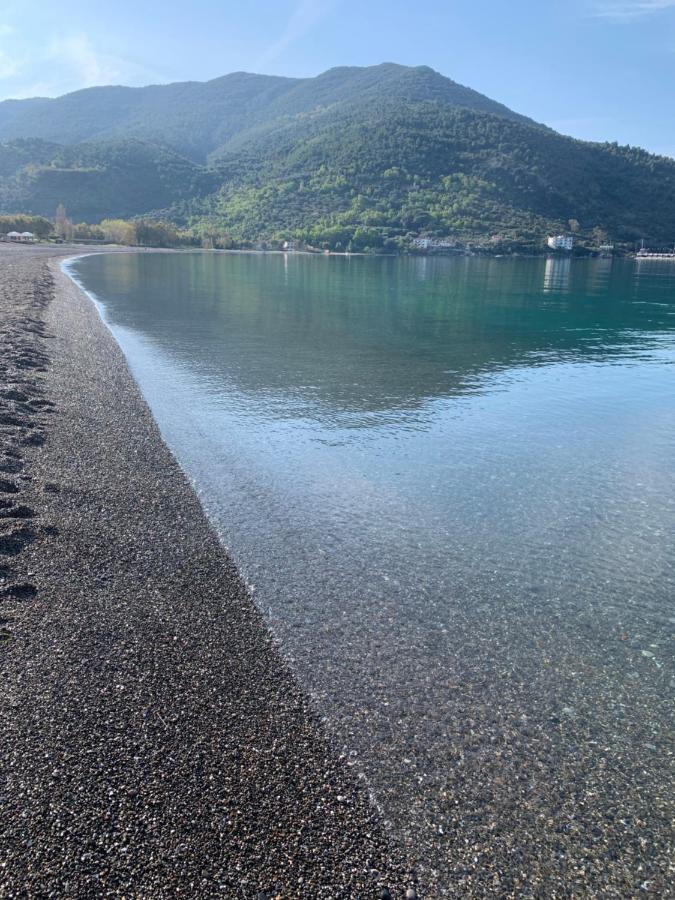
461, 251
155, 743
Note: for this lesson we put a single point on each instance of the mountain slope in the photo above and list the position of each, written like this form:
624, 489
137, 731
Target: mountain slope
360, 157
196, 118
108, 179
424, 167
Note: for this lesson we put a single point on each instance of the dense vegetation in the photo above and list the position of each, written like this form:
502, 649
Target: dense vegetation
119, 179
37, 225
200, 119
405, 168
142, 232
356, 158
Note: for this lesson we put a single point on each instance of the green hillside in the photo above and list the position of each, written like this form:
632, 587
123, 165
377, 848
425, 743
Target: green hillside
399, 167
198, 119
355, 157
96, 181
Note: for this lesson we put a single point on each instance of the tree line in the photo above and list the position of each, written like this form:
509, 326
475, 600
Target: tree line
129, 232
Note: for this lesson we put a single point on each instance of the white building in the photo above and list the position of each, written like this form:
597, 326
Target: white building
26, 237
426, 243
560, 242
420, 243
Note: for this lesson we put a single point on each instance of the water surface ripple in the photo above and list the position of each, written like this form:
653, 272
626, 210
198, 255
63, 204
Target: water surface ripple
450, 484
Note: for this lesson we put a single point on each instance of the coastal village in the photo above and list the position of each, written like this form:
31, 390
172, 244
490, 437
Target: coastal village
155, 233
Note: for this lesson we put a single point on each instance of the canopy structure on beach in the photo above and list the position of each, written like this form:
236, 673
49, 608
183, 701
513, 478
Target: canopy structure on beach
24, 237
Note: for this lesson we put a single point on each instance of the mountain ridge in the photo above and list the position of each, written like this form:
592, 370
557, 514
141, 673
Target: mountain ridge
239, 98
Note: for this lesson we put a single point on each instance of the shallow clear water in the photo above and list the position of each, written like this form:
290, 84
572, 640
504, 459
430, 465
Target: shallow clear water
451, 486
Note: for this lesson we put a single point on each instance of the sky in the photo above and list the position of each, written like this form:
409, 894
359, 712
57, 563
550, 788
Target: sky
595, 69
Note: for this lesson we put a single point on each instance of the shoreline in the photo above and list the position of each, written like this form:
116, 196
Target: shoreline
156, 743
252, 251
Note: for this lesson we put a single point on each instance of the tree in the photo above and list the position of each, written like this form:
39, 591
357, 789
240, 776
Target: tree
64, 227
85, 232
118, 231
151, 233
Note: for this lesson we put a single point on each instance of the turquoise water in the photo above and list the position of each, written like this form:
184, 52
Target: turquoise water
450, 484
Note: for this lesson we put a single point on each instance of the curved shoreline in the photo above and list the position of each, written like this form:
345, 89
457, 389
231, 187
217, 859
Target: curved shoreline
156, 744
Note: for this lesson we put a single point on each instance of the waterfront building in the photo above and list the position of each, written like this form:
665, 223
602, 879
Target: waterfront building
428, 243
560, 242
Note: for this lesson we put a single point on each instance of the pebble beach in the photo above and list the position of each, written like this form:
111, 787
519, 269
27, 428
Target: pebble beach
155, 743
509, 739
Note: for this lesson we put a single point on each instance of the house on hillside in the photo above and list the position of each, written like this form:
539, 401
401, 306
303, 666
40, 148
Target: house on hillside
560, 242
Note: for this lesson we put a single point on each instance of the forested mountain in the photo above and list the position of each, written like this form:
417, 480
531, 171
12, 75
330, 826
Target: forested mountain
199, 119
402, 167
366, 157
96, 181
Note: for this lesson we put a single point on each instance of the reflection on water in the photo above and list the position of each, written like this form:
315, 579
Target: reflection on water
557, 274
450, 485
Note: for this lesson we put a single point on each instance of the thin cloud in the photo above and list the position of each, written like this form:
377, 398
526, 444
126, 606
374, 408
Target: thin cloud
9, 64
306, 15
630, 10
71, 62
76, 54
85, 66
32, 90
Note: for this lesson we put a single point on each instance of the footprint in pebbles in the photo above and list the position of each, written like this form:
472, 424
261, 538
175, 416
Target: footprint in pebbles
35, 440
11, 466
24, 591
15, 541
15, 511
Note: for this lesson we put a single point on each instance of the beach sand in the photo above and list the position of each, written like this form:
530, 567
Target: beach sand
154, 742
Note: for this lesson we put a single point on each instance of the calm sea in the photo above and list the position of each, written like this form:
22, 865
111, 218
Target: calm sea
450, 484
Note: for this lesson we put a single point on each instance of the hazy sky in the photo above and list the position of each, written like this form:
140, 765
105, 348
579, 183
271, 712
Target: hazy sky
596, 69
